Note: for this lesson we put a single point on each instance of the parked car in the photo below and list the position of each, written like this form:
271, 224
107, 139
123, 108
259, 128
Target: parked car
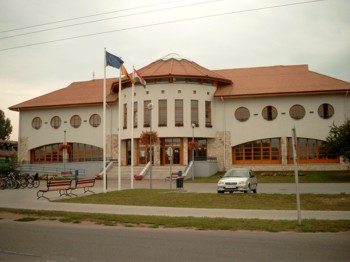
238, 179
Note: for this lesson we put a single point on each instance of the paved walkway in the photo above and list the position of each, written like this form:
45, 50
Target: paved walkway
26, 199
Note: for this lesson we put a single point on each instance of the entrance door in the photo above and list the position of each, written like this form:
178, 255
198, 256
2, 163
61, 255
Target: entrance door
175, 144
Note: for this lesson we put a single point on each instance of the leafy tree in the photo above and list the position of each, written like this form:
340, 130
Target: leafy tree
5, 127
339, 141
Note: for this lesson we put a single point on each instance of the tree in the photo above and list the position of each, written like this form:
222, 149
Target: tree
5, 127
338, 141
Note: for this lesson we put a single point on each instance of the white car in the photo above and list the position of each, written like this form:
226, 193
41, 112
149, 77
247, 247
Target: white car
238, 179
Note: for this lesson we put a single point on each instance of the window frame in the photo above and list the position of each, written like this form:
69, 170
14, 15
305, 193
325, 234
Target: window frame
297, 112
325, 111
179, 113
208, 118
55, 122
162, 110
75, 121
195, 112
36, 123
95, 120
269, 113
242, 114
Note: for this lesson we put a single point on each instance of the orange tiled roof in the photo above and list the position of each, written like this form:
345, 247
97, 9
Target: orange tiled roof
77, 93
277, 80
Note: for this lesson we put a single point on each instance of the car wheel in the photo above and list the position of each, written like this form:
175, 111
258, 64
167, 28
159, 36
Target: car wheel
255, 190
248, 190
220, 192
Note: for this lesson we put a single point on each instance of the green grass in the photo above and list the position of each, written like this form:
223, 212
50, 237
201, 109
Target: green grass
287, 177
308, 225
174, 198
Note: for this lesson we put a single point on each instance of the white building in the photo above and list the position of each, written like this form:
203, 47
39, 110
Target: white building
240, 116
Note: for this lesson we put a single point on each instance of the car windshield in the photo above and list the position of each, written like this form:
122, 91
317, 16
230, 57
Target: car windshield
237, 173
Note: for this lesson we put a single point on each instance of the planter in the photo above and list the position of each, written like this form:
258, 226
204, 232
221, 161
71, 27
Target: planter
138, 177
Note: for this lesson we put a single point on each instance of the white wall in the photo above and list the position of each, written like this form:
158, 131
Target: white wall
48, 135
203, 93
311, 126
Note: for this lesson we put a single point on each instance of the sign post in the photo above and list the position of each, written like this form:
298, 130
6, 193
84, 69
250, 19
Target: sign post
169, 153
294, 146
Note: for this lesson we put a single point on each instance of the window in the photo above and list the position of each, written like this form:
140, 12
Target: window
36, 123
264, 151
325, 111
297, 112
194, 112
309, 151
162, 113
179, 112
135, 114
147, 114
125, 116
208, 114
75, 121
76, 152
242, 114
95, 120
269, 113
55, 122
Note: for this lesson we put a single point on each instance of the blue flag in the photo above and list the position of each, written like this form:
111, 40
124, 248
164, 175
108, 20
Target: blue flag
113, 60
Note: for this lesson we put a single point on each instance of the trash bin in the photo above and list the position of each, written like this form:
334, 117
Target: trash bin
179, 173
179, 182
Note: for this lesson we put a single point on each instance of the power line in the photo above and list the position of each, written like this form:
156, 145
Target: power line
82, 17
162, 23
109, 18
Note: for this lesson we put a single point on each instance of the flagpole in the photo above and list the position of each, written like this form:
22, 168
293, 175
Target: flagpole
120, 129
104, 126
132, 131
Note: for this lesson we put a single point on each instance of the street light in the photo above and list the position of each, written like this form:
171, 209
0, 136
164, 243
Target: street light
64, 150
193, 126
150, 107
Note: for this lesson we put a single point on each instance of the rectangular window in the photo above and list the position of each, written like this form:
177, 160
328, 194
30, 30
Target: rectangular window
194, 112
125, 122
147, 114
135, 114
208, 114
162, 113
179, 112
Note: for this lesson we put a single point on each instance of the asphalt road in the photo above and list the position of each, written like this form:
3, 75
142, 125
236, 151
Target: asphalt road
54, 241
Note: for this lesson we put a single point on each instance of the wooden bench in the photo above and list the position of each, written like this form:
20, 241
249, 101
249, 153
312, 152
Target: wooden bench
62, 186
86, 184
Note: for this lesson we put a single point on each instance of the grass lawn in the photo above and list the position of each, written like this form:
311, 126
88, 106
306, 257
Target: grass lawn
287, 177
174, 198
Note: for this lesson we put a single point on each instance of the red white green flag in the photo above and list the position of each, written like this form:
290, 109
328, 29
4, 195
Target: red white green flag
139, 78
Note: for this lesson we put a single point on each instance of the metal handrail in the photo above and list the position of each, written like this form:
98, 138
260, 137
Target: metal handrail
145, 169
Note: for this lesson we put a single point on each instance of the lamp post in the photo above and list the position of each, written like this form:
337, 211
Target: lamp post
64, 150
193, 126
150, 107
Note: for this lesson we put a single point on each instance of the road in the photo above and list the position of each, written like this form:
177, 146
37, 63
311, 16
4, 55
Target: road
54, 241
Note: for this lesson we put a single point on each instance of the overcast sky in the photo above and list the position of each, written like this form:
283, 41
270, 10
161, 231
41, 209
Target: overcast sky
233, 34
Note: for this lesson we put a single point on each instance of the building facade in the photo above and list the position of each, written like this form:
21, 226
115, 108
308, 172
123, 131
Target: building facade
238, 116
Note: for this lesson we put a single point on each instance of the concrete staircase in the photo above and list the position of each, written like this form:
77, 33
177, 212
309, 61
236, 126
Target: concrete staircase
158, 172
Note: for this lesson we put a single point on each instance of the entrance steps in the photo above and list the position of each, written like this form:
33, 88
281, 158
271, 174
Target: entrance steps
158, 172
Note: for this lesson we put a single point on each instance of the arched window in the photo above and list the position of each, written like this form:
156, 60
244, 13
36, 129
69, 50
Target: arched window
95, 120
325, 111
36, 123
297, 112
269, 113
242, 114
55, 122
75, 121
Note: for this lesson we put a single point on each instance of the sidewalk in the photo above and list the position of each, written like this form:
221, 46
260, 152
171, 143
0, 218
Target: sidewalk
26, 199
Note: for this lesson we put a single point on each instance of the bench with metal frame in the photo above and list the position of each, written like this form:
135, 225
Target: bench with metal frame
85, 184
62, 186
